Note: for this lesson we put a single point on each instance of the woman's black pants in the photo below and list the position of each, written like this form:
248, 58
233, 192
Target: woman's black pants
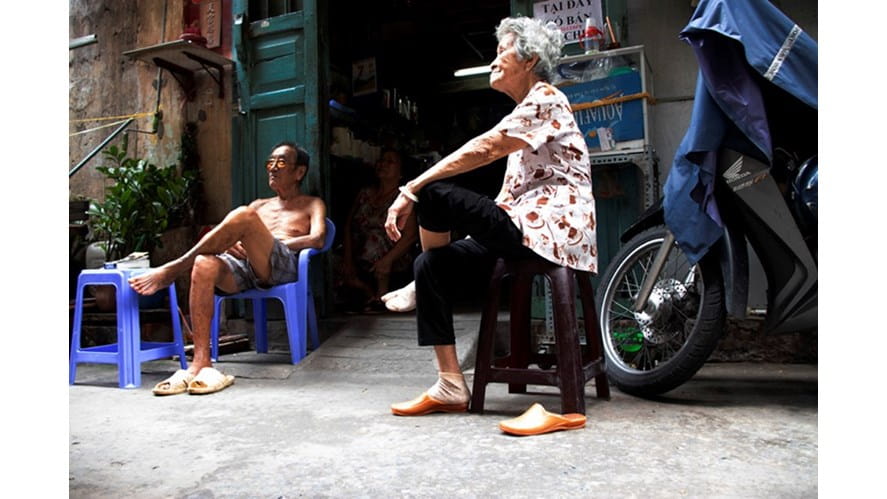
446, 274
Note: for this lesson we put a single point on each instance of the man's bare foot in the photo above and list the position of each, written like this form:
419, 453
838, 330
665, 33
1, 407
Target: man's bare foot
153, 281
401, 300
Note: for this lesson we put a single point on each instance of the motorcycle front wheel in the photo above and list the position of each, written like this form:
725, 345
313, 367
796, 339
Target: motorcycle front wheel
658, 349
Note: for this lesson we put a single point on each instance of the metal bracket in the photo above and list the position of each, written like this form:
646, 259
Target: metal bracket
183, 58
218, 67
184, 76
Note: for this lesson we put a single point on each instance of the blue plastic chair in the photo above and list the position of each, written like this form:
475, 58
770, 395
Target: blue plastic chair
129, 351
298, 307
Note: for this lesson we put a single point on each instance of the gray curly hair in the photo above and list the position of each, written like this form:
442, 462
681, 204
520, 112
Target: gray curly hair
532, 37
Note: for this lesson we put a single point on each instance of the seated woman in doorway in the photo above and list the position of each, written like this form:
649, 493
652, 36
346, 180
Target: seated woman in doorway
544, 208
371, 262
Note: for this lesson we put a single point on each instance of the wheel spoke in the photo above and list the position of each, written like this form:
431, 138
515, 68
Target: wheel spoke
620, 319
624, 311
649, 361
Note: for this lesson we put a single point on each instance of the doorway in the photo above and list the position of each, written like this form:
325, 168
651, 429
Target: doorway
392, 85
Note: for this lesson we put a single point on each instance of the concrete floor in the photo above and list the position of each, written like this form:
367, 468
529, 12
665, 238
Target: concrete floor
322, 428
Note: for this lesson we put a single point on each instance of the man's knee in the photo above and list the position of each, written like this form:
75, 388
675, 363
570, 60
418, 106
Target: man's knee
242, 214
206, 269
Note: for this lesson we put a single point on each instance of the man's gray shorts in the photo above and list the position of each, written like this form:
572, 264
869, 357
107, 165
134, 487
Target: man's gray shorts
284, 268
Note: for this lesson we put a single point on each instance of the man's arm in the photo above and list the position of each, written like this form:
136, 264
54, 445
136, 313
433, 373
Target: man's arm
317, 232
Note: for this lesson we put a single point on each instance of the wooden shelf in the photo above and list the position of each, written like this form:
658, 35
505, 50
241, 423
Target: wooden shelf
182, 58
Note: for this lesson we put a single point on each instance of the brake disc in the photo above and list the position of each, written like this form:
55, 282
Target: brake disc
655, 320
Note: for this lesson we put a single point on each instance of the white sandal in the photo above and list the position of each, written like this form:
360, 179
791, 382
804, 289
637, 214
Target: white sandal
209, 380
175, 384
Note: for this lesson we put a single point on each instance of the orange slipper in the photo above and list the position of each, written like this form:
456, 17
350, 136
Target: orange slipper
536, 421
424, 404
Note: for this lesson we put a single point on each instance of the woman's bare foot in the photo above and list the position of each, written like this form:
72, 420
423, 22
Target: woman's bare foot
153, 281
401, 300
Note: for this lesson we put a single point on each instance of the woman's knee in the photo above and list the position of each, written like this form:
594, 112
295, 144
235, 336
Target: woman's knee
433, 209
433, 192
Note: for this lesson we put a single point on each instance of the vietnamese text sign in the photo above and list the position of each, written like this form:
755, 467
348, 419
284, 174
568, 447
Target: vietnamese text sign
625, 120
210, 22
569, 15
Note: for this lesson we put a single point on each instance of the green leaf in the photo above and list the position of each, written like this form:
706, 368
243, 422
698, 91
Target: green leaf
140, 199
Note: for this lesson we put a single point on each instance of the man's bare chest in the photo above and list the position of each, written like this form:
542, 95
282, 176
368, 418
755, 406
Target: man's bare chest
281, 221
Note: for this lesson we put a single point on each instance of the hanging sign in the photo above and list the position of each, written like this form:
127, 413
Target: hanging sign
210, 22
569, 15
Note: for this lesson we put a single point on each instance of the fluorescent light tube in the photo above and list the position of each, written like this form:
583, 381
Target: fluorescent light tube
472, 71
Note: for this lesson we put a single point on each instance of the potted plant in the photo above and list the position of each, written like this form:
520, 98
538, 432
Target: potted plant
139, 204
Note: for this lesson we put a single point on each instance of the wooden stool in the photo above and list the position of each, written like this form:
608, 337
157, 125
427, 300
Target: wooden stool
573, 367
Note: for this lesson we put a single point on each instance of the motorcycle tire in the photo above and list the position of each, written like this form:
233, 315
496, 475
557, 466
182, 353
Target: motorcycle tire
657, 350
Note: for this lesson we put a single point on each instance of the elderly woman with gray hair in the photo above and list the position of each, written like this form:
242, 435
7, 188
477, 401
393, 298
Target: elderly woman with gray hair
545, 207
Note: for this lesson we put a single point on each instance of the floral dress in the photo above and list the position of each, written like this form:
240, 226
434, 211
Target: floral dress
369, 239
547, 185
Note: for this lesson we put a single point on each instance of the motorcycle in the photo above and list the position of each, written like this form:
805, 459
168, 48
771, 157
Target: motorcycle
745, 174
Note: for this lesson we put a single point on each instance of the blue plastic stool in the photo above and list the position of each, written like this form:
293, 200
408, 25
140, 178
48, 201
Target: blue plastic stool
129, 352
298, 307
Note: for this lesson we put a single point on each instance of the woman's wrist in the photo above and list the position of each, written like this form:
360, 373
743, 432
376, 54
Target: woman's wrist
408, 194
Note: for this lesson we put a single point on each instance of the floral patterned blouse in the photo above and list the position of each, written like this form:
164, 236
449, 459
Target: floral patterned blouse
547, 186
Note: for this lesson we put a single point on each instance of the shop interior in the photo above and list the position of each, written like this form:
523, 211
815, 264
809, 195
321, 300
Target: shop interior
392, 84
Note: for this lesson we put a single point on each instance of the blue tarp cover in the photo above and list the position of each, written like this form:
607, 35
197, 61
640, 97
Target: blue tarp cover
728, 110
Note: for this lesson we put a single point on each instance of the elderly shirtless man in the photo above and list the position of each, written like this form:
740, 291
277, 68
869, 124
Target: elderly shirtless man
254, 246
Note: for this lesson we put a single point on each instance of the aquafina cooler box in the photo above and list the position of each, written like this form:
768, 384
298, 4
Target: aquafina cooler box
621, 121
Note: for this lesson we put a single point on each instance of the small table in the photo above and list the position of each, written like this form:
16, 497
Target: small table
129, 351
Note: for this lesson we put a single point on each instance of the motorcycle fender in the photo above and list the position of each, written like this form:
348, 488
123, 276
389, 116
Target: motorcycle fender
732, 254
651, 217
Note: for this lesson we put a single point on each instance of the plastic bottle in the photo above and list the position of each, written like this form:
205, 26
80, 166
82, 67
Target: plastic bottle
591, 36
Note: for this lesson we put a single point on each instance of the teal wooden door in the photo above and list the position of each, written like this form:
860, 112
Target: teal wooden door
279, 95
280, 74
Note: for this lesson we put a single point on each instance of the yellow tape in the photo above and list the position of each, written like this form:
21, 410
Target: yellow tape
108, 118
96, 128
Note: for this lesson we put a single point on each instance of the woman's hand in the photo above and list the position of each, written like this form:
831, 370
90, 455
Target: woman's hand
398, 213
